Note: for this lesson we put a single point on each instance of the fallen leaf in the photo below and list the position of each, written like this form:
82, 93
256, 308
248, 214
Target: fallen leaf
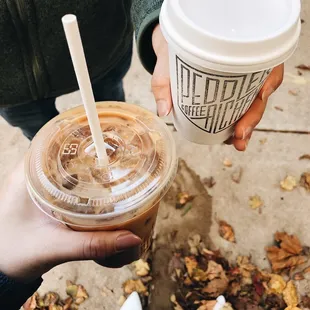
298, 276
50, 298
287, 255
191, 264
121, 300
275, 302
216, 287
293, 92
290, 295
227, 163
263, 141
81, 292
276, 284
174, 301
207, 305
227, 306
303, 67
305, 301
289, 243
278, 109
289, 183
209, 182
71, 289
182, 199
214, 270
194, 244
131, 286
187, 209
176, 262
142, 268
255, 202
306, 270
31, 304
237, 175
200, 275
305, 181
305, 156
67, 303
226, 232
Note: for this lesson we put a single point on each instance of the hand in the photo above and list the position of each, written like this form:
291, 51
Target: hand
162, 93
32, 243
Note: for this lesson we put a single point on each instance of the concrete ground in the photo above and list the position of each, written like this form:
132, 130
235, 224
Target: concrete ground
265, 165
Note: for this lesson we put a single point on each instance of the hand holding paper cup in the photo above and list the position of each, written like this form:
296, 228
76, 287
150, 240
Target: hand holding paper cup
221, 53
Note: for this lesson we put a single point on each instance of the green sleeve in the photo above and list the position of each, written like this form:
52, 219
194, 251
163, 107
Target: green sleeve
145, 15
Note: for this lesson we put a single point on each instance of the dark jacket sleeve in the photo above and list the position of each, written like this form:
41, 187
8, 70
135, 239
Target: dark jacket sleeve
14, 294
145, 16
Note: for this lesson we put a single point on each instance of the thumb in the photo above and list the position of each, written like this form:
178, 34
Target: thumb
95, 245
161, 75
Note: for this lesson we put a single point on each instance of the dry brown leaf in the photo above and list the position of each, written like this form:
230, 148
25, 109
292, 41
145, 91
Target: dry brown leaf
209, 182
55, 307
191, 264
176, 304
31, 303
71, 289
237, 175
290, 295
289, 183
276, 285
67, 303
142, 268
306, 270
305, 301
298, 276
292, 308
303, 67
194, 243
226, 231
227, 163
121, 300
182, 199
227, 306
289, 243
293, 92
131, 286
188, 281
216, 287
305, 181
207, 305
50, 298
288, 255
255, 202
278, 109
214, 270
199, 275
305, 156
263, 141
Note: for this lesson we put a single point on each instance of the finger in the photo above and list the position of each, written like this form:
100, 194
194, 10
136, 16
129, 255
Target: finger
272, 83
250, 120
161, 85
161, 74
121, 259
94, 245
242, 145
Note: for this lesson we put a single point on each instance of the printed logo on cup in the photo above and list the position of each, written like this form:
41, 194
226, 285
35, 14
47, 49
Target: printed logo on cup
214, 102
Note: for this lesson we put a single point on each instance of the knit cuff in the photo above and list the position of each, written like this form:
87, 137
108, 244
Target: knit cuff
145, 15
14, 294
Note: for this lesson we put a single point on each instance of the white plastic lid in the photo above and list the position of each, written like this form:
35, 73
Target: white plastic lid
237, 36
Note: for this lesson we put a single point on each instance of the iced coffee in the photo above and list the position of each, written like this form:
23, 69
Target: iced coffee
66, 181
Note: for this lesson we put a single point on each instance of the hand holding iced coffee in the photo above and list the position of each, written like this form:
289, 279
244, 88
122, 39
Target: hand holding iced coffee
226, 59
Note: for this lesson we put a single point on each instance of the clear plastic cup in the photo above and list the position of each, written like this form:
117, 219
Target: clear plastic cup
65, 181
221, 53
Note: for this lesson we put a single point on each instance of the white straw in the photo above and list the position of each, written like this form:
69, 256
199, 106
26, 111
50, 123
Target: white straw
79, 63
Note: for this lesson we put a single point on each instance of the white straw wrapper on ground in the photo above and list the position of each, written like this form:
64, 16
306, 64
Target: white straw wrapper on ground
80, 67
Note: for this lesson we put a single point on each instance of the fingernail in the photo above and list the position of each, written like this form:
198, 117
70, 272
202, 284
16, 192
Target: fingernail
246, 132
162, 108
127, 241
267, 93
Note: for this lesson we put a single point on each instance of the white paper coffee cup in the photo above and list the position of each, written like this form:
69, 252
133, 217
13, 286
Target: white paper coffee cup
221, 52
